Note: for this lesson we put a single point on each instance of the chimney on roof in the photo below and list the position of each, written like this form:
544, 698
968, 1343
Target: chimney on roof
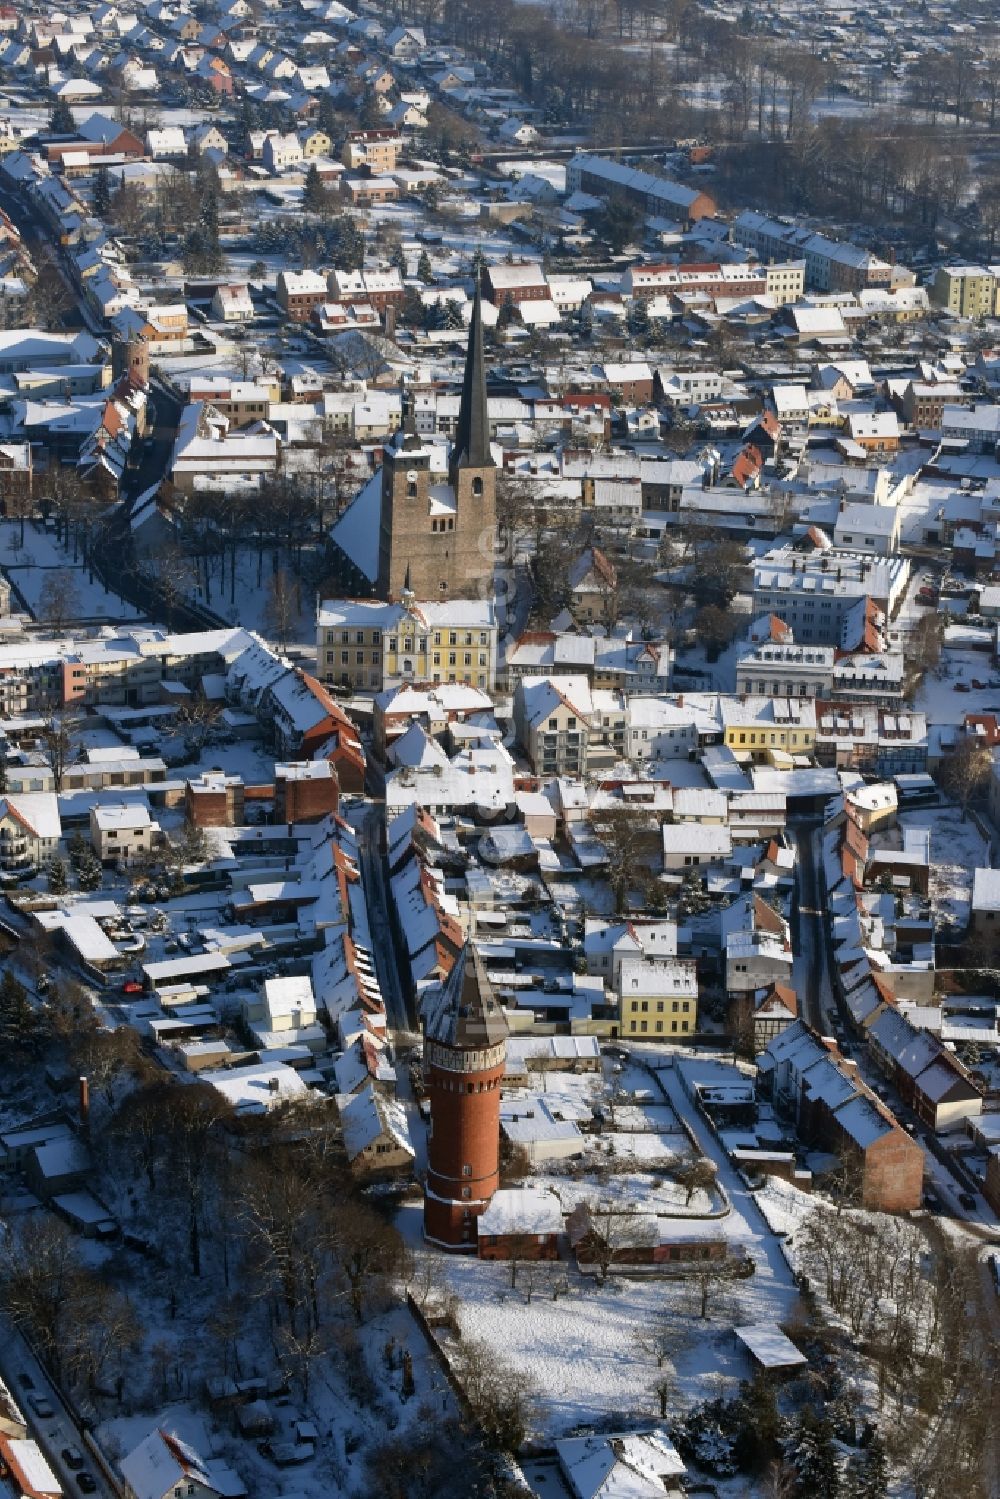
84, 1097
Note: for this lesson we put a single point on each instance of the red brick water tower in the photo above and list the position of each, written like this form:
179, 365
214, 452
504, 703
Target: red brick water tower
465, 1047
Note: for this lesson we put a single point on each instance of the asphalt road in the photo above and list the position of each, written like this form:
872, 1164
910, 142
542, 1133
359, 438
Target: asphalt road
52, 1433
811, 970
373, 875
158, 443
38, 240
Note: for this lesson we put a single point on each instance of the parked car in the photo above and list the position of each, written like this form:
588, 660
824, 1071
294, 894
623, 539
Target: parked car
132, 986
961, 686
72, 1457
968, 1201
41, 1406
86, 1483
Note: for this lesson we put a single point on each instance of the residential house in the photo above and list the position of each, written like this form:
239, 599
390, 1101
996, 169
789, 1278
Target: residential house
928, 1075
657, 998
30, 830
775, 1008
122, 833
832, 1108
163, 1466
376, 1132
552, 722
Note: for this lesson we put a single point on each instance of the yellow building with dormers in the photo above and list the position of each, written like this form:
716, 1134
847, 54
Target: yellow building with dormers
768, 729
658, 999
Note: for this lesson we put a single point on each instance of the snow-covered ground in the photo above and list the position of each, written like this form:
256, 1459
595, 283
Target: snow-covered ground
947, 694
28, 567
586, 1350
957, 849
250, 604
348, 1428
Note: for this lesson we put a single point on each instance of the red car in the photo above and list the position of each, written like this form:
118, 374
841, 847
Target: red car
977, 684
131, 986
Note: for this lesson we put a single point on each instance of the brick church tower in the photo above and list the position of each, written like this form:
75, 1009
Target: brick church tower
442, 531
465, 1047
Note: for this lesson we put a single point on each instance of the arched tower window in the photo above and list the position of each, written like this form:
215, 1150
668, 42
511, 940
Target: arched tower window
477, 488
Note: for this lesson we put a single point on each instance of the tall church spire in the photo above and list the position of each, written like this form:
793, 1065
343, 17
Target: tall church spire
472, 435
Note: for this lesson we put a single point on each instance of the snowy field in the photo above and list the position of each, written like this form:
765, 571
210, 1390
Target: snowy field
250, 605
589, 1352
27, 568
946, 695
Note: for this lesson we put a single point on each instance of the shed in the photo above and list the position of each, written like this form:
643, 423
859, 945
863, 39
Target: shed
768, 1347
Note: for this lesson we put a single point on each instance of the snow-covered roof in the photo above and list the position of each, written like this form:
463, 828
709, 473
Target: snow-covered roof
633, 1465
521, 1210
769, 1345
368, 1116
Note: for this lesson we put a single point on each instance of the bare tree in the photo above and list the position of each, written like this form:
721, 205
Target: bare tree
58, 599
712, 1276
284, 600
924, 643
629, 840
499, 1396
368, 1251
59, 736
604, 1231
965, 773
697, 1174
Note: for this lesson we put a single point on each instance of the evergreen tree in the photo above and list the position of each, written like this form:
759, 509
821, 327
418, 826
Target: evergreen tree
867, 1474
425, 270
102, 193
56, 875
369, 115
412, 310
78, 849
812, 1454
639, 317
451, 315
398, 258
22, 1027
350, 245
314, 194
61, 121
90, 874
760, 1424
506, 314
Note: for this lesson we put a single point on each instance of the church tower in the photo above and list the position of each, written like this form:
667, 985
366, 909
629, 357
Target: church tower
465, 1047
443, 532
